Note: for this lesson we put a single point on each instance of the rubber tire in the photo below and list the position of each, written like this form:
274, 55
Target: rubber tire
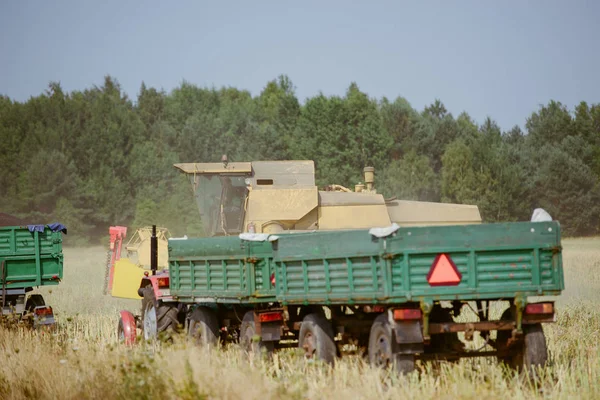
33, 301
166, 313
247, 333
203, 327
381, 353
531, 353
317, 326
535, 351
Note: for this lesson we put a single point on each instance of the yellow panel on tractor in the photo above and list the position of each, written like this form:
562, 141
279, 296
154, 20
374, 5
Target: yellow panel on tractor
125, 273
126, 279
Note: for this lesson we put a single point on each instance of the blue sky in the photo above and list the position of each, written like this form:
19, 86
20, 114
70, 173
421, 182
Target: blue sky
499, 59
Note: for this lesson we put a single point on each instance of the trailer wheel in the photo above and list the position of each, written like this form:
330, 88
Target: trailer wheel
248, 341
316, 338
534, 353
531, 352
35, 300
203, 326
157, 316
381, 352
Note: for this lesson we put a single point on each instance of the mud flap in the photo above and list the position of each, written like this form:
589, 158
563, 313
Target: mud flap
408, 337
270, 331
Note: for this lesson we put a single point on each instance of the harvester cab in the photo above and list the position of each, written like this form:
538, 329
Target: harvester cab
125, 270
276, 196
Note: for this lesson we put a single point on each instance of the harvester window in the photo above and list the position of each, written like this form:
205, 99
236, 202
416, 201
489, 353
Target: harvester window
221, 203
232, 204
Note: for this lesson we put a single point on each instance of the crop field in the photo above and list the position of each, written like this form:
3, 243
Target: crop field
82, 359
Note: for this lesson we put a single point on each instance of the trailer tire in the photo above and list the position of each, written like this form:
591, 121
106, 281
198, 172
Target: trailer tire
530, 353
203, 326
316, 338
35, 300
535, 351
248, 342
381, 348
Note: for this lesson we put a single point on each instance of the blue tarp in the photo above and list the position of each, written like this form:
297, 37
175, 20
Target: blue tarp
54, 227
36, 228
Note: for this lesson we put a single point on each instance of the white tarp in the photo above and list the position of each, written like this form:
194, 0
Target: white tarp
540, 215
258, 237
180, 238
386, 231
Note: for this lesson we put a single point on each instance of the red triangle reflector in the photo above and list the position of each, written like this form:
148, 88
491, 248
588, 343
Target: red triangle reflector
443, 272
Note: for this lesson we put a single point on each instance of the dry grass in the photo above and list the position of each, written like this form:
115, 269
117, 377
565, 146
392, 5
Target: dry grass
82, 359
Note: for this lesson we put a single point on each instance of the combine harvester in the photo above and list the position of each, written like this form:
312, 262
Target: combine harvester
30, 256
288, 264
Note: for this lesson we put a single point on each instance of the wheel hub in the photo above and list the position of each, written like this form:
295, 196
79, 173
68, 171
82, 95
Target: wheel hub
150, 327
383, 351
309, 346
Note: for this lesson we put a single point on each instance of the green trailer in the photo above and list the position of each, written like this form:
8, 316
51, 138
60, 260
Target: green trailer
396, 293
30, 256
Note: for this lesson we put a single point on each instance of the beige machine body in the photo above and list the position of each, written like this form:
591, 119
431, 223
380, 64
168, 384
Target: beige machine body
275, 196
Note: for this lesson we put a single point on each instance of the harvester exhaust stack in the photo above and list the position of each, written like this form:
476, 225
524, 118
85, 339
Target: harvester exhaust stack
369, 177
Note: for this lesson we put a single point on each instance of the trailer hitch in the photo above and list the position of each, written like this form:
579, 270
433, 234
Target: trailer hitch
426, 307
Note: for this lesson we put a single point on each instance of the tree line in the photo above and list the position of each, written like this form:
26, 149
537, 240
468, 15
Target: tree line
95, 158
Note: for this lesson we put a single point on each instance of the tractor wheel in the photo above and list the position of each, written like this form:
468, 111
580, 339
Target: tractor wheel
316, 338
35, 300
157, 316
203, 326
381, 348
531, 352
248, 339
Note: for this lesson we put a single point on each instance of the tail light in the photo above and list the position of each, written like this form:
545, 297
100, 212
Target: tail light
403, 314
271, 316
539, 308
273, 279
162, 282
373, 309
43, 311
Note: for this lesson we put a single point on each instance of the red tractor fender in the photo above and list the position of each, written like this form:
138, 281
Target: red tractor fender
159, 283
127, 327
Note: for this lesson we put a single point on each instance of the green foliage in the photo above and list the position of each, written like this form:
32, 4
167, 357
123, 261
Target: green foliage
342, 135
460, 179
410, 178
95, 158
566, 187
